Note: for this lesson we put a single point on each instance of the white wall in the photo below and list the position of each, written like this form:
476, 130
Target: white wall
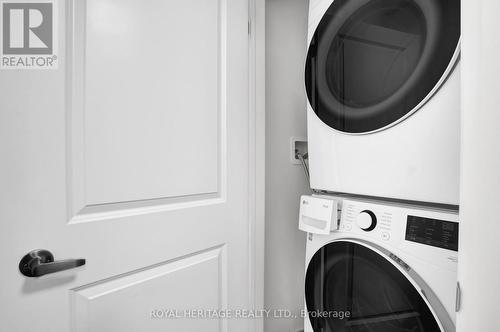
479, 264
286, 33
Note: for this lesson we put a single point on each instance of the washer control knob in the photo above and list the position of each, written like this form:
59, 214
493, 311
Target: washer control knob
367, 220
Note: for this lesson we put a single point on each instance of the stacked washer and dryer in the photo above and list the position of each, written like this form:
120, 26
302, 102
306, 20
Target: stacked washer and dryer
382, 79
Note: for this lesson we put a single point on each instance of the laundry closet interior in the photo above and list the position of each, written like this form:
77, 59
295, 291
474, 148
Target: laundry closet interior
391, 88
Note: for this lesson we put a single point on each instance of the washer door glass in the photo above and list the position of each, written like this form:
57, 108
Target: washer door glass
352, 288
372, 62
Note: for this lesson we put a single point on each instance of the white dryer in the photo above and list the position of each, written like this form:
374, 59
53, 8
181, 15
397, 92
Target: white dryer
385, 268
383, 83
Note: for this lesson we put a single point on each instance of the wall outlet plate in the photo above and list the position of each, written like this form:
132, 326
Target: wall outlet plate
297, 144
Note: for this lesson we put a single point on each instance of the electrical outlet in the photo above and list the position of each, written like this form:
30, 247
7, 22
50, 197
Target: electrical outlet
297, 144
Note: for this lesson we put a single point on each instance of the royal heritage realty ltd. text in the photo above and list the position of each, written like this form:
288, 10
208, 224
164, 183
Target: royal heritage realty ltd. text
244, 314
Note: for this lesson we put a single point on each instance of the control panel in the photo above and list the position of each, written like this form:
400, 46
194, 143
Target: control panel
368, 219
433, 232
431, 236
397, 225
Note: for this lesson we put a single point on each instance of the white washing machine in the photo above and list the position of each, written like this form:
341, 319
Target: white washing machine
383, 83
383, 268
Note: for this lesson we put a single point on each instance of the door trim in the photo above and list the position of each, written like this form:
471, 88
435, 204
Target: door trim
257, 93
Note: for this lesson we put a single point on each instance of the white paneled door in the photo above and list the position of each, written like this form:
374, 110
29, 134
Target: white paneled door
134, 154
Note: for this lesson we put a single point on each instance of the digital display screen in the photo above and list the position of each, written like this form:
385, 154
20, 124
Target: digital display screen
433, 232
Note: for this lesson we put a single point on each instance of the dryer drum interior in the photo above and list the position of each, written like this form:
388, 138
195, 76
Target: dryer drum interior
371, 63
348, 277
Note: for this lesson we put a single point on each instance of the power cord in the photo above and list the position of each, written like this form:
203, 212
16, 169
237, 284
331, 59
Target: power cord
303, 160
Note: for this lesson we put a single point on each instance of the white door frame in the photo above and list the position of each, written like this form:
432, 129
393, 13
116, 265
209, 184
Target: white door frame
256, 25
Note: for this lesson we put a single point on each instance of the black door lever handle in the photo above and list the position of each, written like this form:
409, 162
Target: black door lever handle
39, 262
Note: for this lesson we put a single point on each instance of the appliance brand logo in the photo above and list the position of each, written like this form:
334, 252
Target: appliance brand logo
29, 35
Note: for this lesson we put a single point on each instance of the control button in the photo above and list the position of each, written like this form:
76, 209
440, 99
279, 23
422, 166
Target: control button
386, 236
367, 220
348, 227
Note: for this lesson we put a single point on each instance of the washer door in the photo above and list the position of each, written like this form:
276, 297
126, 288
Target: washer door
371, 63
349, 277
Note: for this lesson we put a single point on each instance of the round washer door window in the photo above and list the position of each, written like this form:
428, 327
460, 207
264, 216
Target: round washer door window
372, 62
351, 288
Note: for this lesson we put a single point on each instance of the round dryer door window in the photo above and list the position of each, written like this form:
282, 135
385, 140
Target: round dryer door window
371, 63
351, 288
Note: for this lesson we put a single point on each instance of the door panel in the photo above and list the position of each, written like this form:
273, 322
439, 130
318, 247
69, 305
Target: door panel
196, 281
134, 129
125, 131
125, 156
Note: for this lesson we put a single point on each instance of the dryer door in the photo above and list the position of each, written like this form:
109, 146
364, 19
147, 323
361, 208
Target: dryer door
371, 63
351, 288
